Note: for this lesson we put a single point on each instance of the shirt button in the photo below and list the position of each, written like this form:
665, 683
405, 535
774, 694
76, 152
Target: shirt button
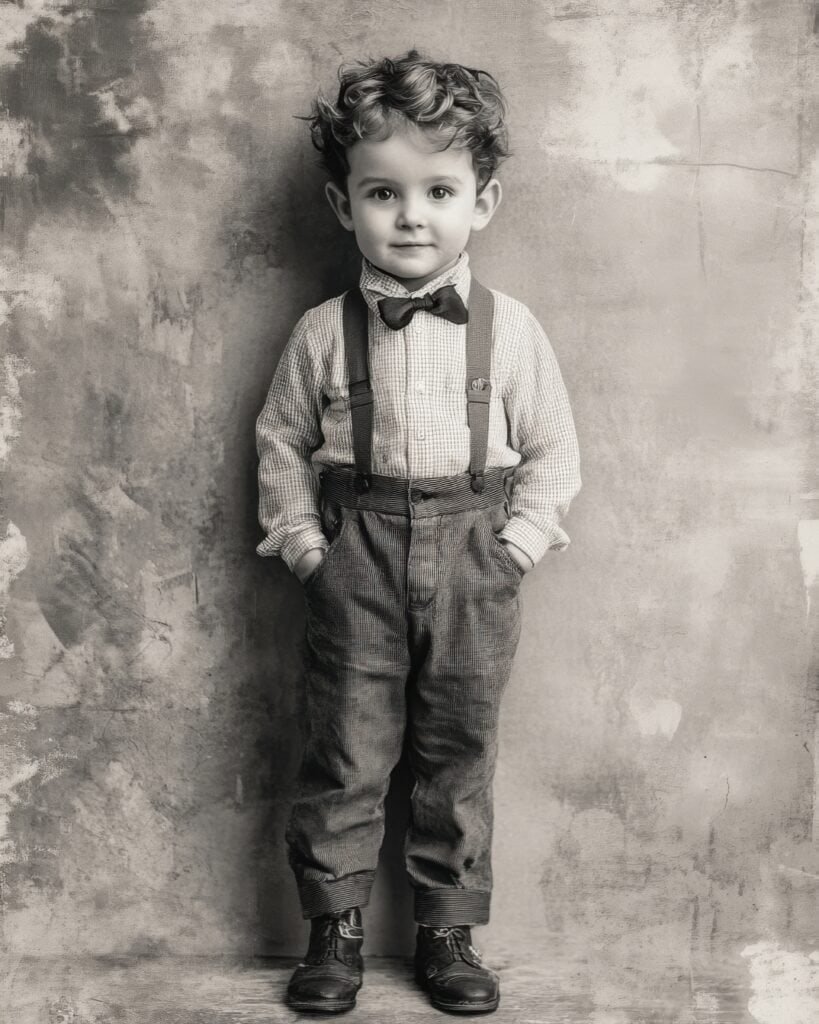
421, 386
416, 495
420, 435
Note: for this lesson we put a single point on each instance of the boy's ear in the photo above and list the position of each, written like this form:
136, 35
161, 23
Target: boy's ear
340, 202
486, 204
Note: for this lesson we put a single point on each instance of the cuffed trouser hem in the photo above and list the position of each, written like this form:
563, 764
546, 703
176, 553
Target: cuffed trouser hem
336, 894
441, 908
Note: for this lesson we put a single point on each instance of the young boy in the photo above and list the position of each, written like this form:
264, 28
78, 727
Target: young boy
420, 394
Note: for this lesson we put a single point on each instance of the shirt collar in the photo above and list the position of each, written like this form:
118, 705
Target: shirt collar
375, 284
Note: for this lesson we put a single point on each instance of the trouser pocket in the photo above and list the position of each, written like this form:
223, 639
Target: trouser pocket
498, 516
334, 524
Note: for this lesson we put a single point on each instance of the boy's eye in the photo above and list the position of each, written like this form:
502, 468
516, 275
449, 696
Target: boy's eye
383, 194
439, 192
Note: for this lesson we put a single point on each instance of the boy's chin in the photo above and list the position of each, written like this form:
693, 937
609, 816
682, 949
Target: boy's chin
410, 271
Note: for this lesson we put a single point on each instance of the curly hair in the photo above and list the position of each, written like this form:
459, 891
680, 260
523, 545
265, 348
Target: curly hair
464, 106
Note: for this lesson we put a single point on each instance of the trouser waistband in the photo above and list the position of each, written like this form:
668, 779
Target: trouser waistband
429, 496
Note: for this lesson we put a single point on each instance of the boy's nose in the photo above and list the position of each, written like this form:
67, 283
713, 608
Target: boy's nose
410, 215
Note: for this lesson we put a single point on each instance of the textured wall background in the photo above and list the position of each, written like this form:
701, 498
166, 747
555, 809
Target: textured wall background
162, 229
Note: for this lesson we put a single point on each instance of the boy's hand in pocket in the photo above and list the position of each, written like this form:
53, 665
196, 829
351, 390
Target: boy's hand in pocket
307, 563
520, 556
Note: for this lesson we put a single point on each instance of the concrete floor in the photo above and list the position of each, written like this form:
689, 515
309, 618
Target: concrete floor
193, 990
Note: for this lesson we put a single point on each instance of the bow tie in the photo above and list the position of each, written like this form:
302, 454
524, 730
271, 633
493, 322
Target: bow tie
444, 302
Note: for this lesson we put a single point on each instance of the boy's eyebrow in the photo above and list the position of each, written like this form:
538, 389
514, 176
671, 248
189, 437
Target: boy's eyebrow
451, 179
374, 181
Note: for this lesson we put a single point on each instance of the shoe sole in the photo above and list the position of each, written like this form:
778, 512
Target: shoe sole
466, 1008
323, 1006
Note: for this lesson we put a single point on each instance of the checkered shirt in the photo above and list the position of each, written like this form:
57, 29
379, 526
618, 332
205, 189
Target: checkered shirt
420, 426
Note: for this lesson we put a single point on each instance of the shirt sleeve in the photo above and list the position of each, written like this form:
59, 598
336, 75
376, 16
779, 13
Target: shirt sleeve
288, 431
541, 428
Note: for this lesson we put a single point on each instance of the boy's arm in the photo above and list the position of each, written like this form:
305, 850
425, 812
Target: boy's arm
541, 428
288, 431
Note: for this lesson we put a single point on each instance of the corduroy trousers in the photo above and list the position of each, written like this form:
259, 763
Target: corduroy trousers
413, 619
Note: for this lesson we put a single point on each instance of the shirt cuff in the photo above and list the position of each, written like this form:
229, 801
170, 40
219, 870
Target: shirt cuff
532, 541
296, 544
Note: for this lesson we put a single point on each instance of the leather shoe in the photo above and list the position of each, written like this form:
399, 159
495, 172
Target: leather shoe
449, 968
330, 975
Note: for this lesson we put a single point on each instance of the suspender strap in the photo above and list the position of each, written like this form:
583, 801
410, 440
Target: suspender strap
478, 387
356, 346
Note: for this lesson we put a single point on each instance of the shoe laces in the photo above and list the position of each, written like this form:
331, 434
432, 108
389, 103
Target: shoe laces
326, 942
457, 941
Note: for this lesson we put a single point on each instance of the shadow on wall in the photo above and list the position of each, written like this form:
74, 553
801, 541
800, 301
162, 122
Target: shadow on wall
158, 668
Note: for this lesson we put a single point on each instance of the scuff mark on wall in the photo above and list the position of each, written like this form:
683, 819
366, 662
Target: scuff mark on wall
13, 559
118, 786
660, 717
18, 722
123, 116
18, 18
11, 370
61, 73
14, 773
171, 327
611, 119
808, 534
633, 132
28, 290
785, 984
15, 146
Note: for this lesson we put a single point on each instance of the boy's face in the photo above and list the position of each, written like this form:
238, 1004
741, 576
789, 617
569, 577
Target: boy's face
412, 205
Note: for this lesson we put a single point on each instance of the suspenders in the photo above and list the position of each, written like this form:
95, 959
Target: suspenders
356, 344
478, 387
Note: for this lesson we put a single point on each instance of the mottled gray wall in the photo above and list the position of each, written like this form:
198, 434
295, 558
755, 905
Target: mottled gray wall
163, 227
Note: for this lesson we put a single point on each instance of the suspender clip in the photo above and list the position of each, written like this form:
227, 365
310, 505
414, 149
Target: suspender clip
362, 483
477, 483
479, 390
